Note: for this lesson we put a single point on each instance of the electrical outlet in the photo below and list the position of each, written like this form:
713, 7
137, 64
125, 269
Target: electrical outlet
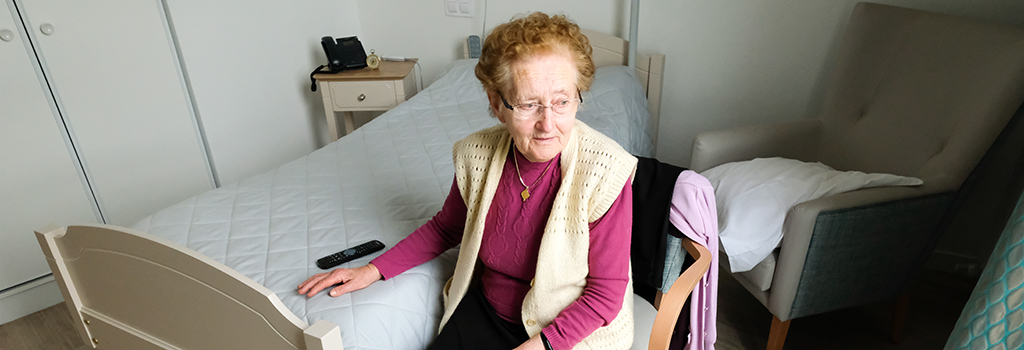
458, 8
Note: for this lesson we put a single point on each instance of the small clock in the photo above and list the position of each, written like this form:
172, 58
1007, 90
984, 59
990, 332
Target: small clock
372, 61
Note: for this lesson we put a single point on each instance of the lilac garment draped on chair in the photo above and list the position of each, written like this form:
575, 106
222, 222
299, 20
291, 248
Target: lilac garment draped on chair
693, 213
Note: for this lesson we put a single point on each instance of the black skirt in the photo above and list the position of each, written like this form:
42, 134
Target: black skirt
475, 325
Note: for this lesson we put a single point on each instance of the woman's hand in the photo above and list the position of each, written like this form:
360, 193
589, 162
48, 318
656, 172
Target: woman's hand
350, 280
534, 343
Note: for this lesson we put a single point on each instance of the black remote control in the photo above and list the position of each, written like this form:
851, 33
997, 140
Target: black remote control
349, 254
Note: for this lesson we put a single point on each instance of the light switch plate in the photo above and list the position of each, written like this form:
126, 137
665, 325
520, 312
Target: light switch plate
459, 8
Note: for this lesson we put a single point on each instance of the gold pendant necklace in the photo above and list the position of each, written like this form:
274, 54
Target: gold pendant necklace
526, 193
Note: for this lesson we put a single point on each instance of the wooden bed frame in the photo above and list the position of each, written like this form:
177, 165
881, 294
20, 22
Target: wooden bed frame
127, 289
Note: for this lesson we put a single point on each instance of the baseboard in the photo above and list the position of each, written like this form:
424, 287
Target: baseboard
29, 298
954, 263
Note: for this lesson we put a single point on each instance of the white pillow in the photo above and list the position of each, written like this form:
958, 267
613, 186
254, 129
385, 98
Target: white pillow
754, 196
616, 106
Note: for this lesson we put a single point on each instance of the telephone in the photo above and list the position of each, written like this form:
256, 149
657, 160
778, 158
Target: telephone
344, 53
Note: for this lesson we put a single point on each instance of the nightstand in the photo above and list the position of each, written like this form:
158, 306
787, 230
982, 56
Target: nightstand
365, 90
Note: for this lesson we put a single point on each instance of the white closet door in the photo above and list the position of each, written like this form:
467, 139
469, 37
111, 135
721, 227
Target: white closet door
116, 78
39, 181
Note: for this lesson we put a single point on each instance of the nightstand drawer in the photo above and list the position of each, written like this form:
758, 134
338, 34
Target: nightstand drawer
371, 95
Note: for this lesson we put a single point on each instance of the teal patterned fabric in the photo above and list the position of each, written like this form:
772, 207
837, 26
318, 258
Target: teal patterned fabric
867, 254
993, 317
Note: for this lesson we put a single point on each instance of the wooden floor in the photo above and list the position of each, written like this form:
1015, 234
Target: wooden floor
936, 301
935, 304
50, 328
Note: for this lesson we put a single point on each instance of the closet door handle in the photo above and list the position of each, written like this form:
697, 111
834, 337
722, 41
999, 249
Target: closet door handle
6, 35
46, 28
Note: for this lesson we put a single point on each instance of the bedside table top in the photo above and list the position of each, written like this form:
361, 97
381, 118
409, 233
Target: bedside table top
388, 70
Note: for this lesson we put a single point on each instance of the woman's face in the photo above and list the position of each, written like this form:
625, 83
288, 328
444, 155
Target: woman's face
543, 79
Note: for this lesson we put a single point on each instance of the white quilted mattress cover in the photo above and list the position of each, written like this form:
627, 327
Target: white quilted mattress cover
381, 182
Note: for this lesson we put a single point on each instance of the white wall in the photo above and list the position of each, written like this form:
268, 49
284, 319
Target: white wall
248, 63
418, 28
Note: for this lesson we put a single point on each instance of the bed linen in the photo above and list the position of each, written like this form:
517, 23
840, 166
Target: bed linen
381, 182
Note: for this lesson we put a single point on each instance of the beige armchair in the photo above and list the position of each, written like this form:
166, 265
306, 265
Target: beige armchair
913, 93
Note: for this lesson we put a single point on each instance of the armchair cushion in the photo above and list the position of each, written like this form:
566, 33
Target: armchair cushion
754, 196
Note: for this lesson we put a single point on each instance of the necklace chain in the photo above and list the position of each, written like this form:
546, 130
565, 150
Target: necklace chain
526, 193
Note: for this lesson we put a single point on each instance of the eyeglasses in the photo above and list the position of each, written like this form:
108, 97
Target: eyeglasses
534, 111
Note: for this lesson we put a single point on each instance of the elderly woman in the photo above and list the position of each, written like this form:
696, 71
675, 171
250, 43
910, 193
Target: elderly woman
541, 205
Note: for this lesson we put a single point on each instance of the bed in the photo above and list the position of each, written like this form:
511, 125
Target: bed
236, 254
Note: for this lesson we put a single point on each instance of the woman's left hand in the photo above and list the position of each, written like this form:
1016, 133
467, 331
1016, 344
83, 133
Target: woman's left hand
534, 343
346, 280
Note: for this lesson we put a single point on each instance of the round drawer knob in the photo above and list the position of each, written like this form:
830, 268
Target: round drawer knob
6, 35
46, 28
361, 97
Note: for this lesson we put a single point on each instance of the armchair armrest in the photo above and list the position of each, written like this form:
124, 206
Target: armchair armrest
849, 222
788, 139
672, 302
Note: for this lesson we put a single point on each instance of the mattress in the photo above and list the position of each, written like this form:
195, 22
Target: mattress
380, 182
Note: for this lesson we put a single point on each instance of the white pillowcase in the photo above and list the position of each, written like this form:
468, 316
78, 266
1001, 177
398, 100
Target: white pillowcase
753, 198
616, 105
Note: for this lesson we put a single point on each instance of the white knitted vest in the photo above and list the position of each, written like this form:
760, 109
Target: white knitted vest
594, 171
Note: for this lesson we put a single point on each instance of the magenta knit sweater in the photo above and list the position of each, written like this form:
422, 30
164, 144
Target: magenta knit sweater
512, 235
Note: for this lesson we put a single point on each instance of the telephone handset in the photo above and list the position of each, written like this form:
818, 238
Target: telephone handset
344, 53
